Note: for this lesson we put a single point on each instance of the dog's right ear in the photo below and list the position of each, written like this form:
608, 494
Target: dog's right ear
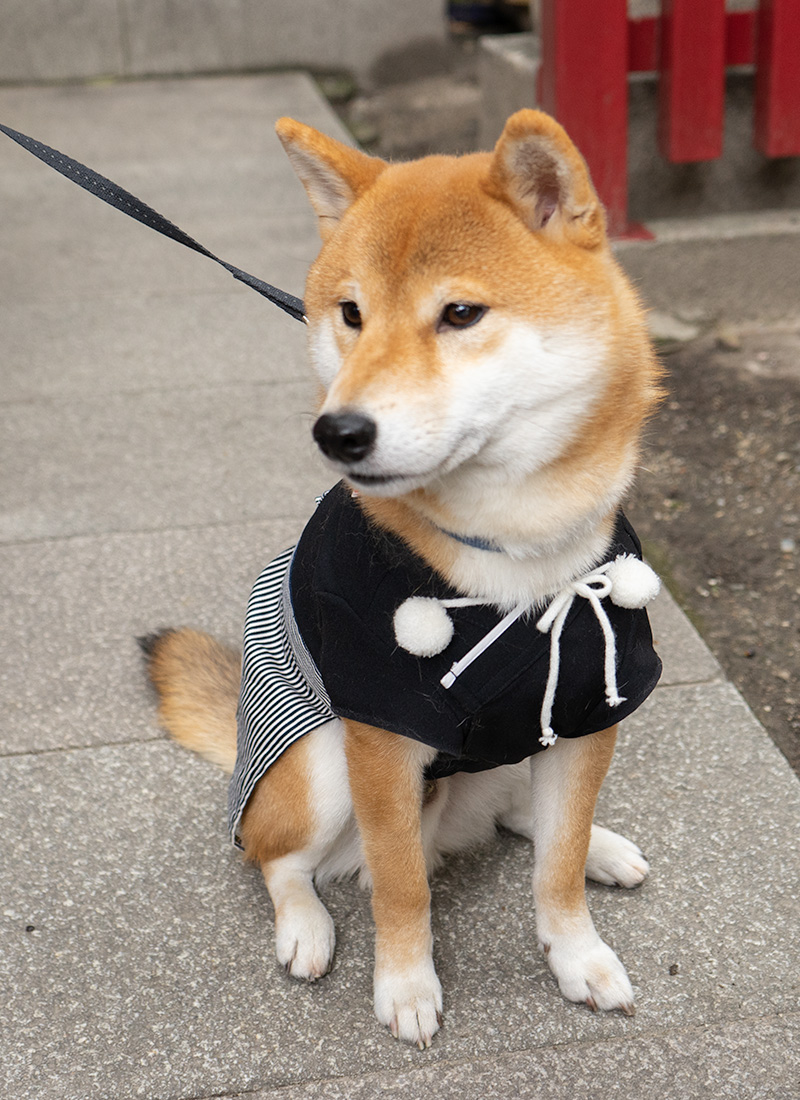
333, 174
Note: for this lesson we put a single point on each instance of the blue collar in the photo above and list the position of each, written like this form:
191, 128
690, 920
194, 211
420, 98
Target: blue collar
475, 542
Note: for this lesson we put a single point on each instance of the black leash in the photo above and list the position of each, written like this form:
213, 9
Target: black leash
116, 196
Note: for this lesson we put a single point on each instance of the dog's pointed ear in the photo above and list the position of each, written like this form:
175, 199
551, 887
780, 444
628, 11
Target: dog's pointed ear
537, 171
333, 174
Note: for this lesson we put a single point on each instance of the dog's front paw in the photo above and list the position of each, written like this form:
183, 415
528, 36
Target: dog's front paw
588, 971
613, 860
305, 939
409, 1003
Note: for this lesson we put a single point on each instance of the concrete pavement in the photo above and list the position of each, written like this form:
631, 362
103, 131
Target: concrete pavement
155, 454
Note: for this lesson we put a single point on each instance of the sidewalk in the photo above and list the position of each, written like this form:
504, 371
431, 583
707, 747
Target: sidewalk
155, 454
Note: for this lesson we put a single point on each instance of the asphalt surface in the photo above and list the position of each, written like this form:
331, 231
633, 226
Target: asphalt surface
155, 454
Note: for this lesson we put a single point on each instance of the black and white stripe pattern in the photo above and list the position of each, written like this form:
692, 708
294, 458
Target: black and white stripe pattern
282, 696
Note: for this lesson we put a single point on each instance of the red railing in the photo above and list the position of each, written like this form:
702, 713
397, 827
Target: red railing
590, 46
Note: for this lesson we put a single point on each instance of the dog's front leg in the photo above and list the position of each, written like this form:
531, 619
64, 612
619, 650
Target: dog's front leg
386, 773
566, 781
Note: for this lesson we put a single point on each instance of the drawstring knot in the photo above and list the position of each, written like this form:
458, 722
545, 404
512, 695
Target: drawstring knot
423, 627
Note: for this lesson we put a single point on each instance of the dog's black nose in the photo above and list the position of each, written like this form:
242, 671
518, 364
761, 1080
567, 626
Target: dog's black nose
345, 436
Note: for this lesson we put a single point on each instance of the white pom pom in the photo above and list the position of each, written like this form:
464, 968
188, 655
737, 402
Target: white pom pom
633, 584
422, 626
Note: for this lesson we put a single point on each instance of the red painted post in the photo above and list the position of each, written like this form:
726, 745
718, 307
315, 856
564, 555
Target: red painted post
643, 45
740, 37
692, 87
777, 115
584, 84
643, 38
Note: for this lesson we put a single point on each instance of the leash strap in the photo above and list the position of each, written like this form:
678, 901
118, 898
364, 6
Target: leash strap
116, 196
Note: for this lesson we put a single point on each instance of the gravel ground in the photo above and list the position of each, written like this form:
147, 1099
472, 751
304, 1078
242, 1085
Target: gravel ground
717, 504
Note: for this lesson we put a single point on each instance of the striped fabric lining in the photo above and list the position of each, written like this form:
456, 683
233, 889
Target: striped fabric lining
282, 696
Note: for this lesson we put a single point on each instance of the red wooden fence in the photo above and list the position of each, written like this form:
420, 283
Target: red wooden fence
590, 46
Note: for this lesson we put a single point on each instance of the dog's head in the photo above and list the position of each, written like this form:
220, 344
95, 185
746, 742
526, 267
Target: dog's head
464, 312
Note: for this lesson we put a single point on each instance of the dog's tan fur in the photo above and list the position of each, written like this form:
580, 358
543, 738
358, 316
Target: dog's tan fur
402, 240
390, 819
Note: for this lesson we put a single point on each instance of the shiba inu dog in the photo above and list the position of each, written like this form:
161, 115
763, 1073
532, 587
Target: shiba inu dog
452, 642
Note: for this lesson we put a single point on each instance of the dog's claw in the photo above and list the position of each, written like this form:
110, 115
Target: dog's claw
425, 1040
288, 965
592, 1003
409, 1004
628, 1009
439, 1018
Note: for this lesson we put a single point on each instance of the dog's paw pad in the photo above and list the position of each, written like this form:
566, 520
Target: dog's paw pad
615, 861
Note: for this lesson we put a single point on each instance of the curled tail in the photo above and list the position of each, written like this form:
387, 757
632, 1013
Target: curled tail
197, 680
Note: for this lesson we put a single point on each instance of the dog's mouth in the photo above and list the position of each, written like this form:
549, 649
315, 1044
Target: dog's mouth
384, 482
374, 479
394, 483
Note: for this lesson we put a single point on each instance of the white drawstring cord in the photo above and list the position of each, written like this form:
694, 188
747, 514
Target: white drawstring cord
553, 621
423, 628
458, 667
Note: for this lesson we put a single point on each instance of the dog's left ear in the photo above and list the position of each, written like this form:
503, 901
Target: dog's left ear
333, 174
537, 171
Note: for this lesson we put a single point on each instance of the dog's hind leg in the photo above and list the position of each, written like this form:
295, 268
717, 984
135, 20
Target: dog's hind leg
566, 780
614, 860
295, 815
297, 811
386, 781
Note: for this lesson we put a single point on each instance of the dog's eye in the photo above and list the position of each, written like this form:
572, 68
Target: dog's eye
461, 314
351, 314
